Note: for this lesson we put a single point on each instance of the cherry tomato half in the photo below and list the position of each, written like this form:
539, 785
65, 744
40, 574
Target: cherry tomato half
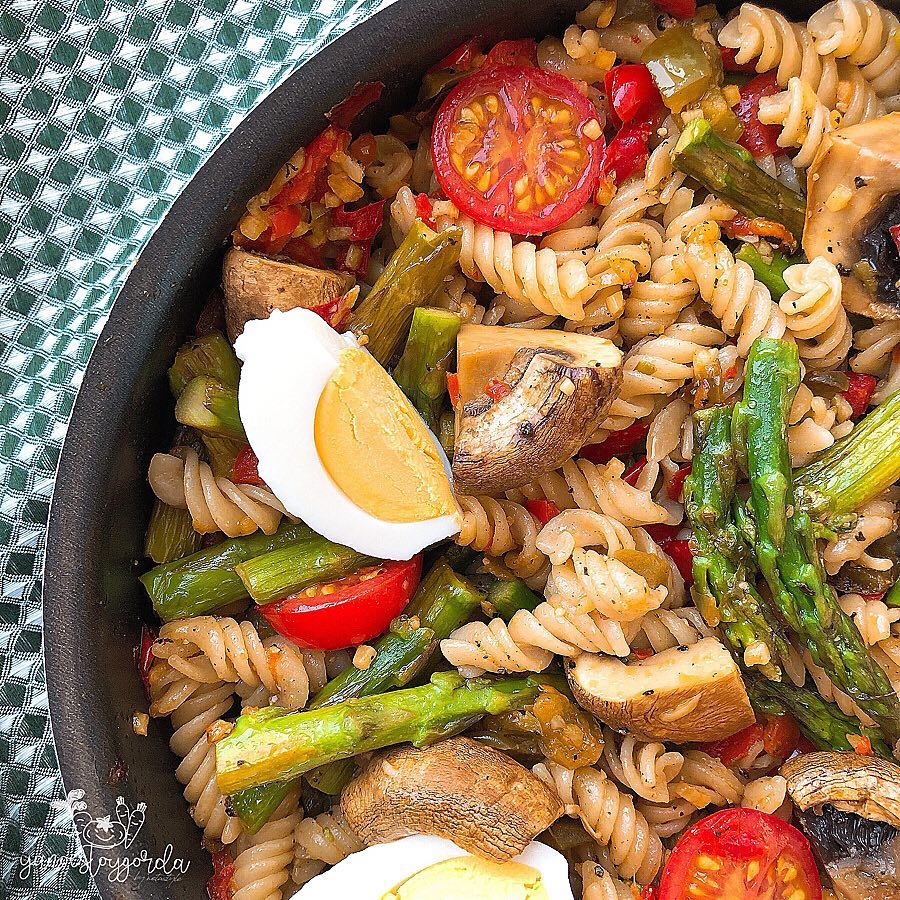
510, 150
741, 854
348, 611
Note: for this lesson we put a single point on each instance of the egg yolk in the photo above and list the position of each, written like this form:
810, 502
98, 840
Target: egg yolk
376, 448
471, 878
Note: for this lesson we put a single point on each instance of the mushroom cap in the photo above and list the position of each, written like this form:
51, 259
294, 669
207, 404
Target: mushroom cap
562, 385
458, 789
254, 285
866, 785
688, 693
855, 174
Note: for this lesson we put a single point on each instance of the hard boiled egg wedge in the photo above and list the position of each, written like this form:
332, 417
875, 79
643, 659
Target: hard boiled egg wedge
338, 442
423, 867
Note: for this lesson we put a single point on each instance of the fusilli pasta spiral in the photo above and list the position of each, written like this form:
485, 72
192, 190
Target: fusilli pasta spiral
598, 884
645, 767
263, 861
873, 618
609, 815
392, 166
877, 519
320, 841
181, 479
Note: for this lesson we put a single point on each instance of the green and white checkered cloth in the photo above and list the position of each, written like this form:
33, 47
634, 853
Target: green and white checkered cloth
107, 108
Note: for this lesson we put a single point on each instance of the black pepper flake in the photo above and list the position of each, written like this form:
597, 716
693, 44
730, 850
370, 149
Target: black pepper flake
649, 693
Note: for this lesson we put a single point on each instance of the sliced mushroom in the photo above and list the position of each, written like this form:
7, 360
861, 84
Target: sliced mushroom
849, 807
457, 789
852, 201
254, 285
561, 387
690, 693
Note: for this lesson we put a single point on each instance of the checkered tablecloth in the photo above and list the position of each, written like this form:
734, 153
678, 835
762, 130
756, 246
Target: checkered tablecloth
107, 108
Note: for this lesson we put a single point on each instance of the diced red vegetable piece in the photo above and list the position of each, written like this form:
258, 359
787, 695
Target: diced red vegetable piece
542, 510
301, 251
757, 226
731, 749
675, 487
453, 388
143, 656
895, 234
860, 743
246, 468
219, 886
360, 267
781, 735
631, 474
876, 596
425, 209
460, 59
730, 64
759, 139
364, 94
283, 220
335, 311
642, 653
682, 555
364, 223
859, 392
497, 389
649, 892
617, 443
306, 183
632, 94
513, 53
680, 9
627, 152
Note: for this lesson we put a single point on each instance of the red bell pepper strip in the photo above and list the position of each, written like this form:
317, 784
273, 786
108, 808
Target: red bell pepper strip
778, 735
358, 268
649, 892
675, 486
632, 94
348, 611
364, 94
461, 59
895, 234
246, 468
302, 187
631, 475
627, 152
737, 747
781, 735
453, 388
143, 656
219, 886
364, 223
730, 64
542, 510
513, 53
336, 310
859, 392
282, 221
677, 549
425, 209
299, 250
618, 443
759, 139
680, 9
743, 226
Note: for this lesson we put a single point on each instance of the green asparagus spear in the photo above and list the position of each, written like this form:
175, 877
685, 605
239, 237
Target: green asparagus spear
170, 534
728, 171
422, 369
208, 355
206, 580
856, 468
210, 407
785, 542
271, 745
412, 275
506, 597
769, 272
443, 602
295, 567
723, 589
821, 721
892, 597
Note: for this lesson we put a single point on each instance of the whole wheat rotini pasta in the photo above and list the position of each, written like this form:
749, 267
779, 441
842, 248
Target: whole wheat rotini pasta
873, 618
644, 767
598, 884
321, 841
181, 479
876, 519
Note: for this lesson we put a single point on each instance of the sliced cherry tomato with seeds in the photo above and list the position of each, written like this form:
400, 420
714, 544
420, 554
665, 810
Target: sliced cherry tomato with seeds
517, 148
741, 854
348, 611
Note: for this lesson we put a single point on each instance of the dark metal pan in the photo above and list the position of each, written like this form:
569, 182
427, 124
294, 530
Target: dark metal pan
93, 603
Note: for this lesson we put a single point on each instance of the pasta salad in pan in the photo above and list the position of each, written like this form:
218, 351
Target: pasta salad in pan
530, 530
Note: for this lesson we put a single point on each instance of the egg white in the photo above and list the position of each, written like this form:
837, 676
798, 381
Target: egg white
288, 359
371, 873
